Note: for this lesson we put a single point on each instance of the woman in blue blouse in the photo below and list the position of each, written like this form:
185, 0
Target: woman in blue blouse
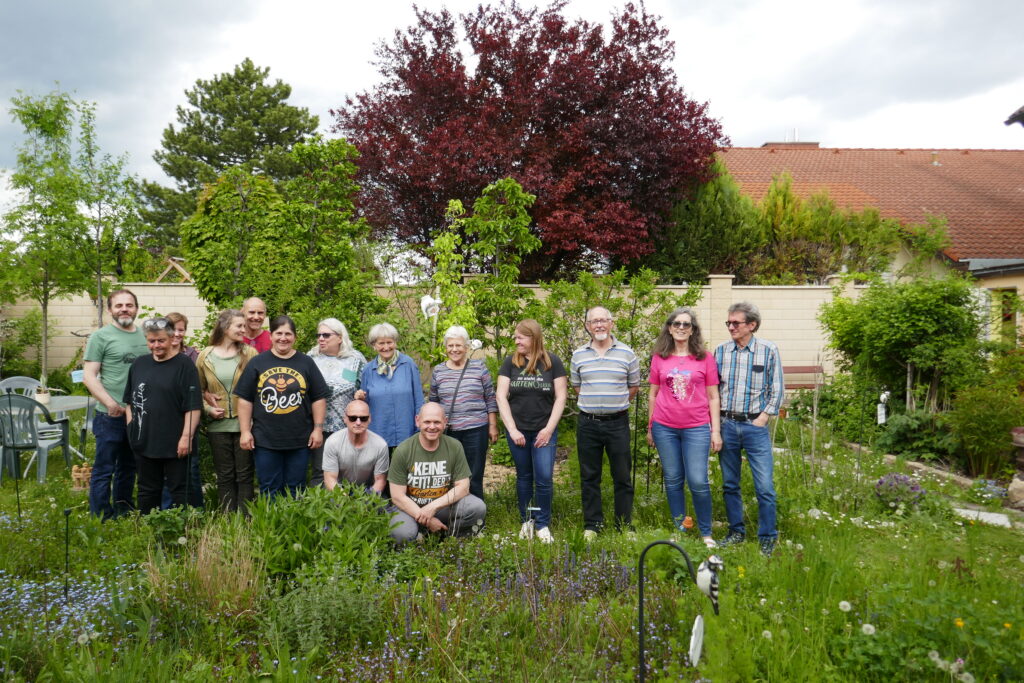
391, 384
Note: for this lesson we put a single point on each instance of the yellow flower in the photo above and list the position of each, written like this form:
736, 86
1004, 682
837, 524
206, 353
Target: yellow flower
741, 571
1007, 625
959, 622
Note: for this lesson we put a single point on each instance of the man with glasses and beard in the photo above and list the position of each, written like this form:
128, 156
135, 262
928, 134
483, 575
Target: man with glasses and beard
109, 355
355, 453
752, 389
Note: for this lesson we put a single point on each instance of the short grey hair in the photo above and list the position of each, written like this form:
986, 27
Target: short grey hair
750, 312
456, 331
381, 331
338, 328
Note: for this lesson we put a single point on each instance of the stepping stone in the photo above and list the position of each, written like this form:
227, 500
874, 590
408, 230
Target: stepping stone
996, 518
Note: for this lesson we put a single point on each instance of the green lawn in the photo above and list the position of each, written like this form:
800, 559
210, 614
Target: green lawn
856, 591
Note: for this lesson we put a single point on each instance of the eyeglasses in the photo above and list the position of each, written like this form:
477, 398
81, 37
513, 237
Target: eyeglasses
734, 323
357, 418
682, 324
156, 324
324, 335
600, 321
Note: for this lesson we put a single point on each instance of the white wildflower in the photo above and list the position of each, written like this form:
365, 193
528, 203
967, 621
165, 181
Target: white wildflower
845, 606
868, 629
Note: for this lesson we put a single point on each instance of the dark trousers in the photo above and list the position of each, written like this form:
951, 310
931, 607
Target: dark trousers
156, 473
194, 489
474, 443
593, 438
234, 470
316, 464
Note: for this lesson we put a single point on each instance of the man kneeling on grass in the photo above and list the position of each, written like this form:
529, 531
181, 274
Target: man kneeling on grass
429, 479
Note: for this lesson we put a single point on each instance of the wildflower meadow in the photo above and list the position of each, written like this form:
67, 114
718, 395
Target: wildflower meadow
874, 578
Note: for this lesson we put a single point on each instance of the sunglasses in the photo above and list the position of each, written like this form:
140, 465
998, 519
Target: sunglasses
156, 324
682, 325
324, 335
735, 323
357, 418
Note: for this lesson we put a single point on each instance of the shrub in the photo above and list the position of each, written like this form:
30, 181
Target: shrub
347, 524
919, 434
326, 612
981, 420
847, 403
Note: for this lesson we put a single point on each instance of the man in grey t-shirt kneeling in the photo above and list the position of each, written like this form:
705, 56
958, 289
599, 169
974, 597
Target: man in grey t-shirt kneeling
355, 453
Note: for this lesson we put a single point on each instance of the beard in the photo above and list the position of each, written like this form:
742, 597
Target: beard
124, 321
600, 336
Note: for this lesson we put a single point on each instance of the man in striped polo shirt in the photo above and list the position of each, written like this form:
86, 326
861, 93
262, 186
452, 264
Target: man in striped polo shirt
606, 376
752, 389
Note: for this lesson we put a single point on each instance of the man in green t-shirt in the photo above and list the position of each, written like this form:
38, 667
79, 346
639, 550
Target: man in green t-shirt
429, 479
109, 355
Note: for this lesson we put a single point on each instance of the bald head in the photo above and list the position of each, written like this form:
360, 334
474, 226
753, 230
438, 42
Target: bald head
433, 409
255, 312
430, 421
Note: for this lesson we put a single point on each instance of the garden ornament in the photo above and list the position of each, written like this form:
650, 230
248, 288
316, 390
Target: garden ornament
430, 306
706, 578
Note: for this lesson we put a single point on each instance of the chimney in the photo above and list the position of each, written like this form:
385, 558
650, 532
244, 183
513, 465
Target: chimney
935, 159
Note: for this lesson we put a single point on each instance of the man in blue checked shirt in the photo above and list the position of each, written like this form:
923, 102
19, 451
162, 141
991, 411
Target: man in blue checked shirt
606, 376
752, 389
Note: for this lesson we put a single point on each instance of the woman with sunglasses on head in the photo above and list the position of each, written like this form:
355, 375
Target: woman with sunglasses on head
281, 407
685, 420
532, 389
220, 366
341, 365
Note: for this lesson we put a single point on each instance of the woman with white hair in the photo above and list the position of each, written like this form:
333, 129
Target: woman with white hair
466, 391
341, 365
390, 383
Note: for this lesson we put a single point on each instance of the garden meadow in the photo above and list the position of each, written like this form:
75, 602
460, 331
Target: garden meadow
862, 587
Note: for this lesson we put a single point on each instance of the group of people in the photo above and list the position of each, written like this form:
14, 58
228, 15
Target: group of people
293, 419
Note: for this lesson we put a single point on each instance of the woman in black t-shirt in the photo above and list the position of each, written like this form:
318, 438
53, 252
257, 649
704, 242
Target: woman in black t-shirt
281, 408
532, 390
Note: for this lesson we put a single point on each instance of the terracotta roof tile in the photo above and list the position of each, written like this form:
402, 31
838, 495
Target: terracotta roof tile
980, 192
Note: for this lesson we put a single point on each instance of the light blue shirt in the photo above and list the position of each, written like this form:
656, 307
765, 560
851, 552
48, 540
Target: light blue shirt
395, 401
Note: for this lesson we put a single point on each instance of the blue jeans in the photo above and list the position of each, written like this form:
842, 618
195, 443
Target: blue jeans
276, 470
535, 468
474, 442
758, 444
684, 458
114, 461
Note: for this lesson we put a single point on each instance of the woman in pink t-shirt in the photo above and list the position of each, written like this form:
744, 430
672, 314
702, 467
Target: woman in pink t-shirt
685, 419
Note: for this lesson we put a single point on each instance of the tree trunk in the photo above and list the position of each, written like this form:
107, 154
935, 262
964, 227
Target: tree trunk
910, 387
42, 342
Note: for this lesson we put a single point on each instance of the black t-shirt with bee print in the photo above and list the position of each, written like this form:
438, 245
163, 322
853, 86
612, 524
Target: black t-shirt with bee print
282, 392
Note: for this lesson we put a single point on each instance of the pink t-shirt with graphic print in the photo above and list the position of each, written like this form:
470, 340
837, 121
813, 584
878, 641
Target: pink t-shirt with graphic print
682, 400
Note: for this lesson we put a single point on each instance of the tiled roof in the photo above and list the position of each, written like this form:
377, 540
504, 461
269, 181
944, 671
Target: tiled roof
980, 192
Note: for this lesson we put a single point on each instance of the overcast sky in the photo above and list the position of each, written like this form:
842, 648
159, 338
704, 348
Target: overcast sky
845, 73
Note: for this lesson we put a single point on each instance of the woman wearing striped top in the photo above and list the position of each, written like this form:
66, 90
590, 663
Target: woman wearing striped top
465, 389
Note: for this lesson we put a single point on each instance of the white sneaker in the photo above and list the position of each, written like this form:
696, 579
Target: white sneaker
545, 535
589, 535
526, 531
710, 542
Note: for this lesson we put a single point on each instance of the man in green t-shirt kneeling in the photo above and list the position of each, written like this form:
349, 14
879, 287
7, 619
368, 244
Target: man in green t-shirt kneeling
429, 479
